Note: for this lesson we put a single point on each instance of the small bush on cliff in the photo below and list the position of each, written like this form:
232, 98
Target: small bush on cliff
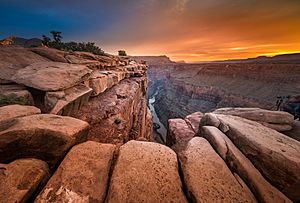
122, 53
70, 46
118, 121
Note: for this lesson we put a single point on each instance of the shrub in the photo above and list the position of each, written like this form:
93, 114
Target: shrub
122, 53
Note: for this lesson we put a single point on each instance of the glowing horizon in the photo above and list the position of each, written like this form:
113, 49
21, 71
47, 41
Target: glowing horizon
189, 30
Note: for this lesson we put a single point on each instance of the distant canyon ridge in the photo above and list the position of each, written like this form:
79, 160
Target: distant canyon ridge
183, 88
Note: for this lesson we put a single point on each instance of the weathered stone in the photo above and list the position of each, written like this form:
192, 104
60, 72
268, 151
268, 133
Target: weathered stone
15, 94
209, 119
52, 76
207, 177
194, 120
52, 54
98, 82
295, 131
69, 101
277, 127
78, 60
20, 178
145, 172
274, 154
257, 114
216, 140
178, 131
238, 163
14, 111
43, 136
14, 58
82, 176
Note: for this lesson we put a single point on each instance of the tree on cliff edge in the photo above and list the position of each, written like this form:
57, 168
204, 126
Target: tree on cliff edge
122, 53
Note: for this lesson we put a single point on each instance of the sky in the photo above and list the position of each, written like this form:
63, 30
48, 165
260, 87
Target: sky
190, 30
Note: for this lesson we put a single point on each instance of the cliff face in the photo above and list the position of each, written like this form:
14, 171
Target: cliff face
186, 88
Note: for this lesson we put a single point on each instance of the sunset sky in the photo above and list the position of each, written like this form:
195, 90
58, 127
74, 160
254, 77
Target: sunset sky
190, 30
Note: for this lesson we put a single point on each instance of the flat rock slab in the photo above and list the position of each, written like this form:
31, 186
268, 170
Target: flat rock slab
256, 114
145, 172
52, 54
275, 155
52, 76
20, 178
207, 176
239, 164
15, 111
82, 176
15, 94
43, 136
178, 131
194, 120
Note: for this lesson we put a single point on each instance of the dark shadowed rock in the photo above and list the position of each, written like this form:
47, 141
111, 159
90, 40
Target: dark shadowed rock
275, 155
257, 114
82, 176
207, 177
20, 178
238, 163
15, 94
14, 111
52, 76
43, 136
145, 172
178, 131
295, 131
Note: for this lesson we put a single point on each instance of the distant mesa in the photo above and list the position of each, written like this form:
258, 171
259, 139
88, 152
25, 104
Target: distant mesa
13, 40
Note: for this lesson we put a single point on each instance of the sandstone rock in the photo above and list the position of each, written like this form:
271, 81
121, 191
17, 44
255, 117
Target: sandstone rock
14, 58
275, 155
14, 111
277, 127
210, 120
295, 131
207, 177
43, 136
215, 138
52, 54
178, 131
238, 163
194, 120
52, 76
69, 101
15, 94
20, 178
82, 176
77, 60
257, 114
145, 172
98, 82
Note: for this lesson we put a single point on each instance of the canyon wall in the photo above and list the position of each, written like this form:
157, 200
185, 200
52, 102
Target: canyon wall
185, 88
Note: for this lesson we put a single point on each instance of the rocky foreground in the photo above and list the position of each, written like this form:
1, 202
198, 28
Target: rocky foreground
224, 156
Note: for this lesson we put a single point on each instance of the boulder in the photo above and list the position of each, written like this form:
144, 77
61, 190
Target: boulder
194, 120
67, 102
274, 154
277, 127
207, 177
52, 76
178, 131
15, 94
257, 114
43, 136
51, 54
145, 172
15, 111
98, 82
295, 131
210, 119
78, 60
241, 165
82, 176
20, 178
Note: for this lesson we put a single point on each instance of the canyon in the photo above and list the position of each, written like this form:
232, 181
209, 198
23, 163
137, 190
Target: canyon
80, 127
